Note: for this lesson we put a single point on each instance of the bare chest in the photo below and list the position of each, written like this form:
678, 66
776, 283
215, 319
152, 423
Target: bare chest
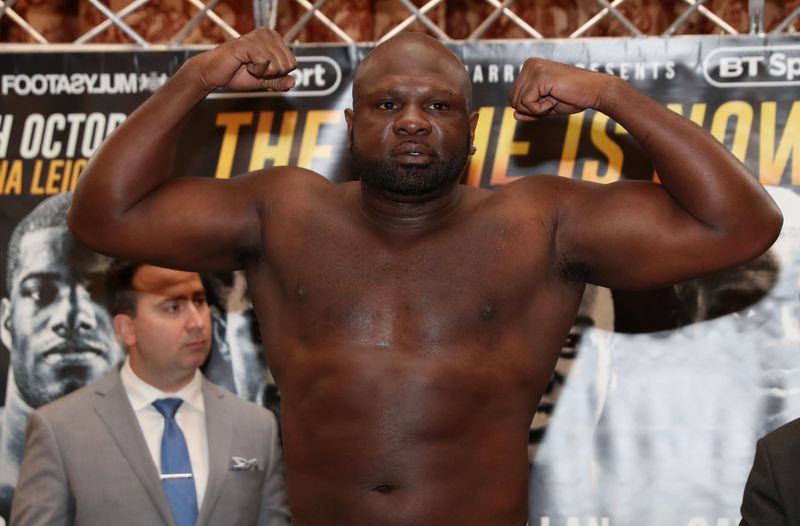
465, 280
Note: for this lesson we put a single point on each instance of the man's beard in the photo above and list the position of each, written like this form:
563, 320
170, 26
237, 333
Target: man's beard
409, 179
61, 381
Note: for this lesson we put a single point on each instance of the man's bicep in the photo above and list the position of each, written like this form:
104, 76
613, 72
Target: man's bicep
193, 223
632, 235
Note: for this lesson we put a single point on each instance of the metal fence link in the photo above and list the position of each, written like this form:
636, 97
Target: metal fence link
311, 21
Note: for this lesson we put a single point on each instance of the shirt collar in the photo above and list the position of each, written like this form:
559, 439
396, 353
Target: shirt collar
142, 394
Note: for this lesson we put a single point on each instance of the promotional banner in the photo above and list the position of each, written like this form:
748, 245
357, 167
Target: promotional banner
659, 396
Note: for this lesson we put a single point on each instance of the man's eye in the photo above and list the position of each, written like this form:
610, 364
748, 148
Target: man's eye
41, 292
96, 288
172, 308
438, 106
387, 105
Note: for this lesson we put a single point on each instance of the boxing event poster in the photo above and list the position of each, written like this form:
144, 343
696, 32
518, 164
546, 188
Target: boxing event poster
659, 397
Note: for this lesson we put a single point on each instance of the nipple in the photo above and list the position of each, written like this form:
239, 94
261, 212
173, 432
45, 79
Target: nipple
383, 488
488, 311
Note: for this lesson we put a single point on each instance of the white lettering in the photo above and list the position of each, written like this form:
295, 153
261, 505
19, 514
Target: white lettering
32, 136
730, 67
76, 83
5, 133
93, 133
52, 148
508, 73
494, 74
75, 122
752, 64
477, 75
670, 74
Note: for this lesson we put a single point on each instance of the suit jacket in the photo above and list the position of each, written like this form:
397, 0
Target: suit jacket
772, 492
86, 463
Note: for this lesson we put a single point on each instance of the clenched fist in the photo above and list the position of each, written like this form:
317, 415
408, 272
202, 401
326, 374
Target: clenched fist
545, 87
258, 60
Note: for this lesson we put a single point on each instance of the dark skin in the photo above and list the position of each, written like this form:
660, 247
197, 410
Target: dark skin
413, 335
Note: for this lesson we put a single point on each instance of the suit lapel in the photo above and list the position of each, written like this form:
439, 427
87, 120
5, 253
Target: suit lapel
114, 409
219, 429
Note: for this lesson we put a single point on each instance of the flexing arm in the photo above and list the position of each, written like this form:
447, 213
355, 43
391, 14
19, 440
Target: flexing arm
126, 203
709, 214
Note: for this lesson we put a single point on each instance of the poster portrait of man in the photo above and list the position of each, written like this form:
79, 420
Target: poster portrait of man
53, 323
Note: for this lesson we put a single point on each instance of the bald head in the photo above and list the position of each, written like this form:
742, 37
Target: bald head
415, 54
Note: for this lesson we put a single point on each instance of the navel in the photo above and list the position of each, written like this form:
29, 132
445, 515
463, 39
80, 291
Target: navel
301, 292
488, 311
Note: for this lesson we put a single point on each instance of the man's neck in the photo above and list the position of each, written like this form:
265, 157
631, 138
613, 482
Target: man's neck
166, 382
405, 212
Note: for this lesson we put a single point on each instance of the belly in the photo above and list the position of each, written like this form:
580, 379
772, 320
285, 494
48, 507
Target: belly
384, 437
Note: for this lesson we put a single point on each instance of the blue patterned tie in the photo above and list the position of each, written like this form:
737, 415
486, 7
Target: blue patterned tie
176, 468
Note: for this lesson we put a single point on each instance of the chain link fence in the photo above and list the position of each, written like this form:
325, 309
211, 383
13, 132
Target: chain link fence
181, 23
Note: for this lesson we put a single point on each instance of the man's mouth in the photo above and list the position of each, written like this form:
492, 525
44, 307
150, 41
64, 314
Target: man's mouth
197, 345
412, 153
70, 351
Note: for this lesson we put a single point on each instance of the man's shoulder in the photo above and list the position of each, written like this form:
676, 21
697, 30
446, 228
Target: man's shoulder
293, 191
539, 190
284, 179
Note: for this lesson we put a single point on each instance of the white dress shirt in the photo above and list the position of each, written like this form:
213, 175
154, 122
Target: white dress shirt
191, 418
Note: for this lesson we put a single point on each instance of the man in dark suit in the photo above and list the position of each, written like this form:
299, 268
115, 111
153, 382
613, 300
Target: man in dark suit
772, 488
153, 442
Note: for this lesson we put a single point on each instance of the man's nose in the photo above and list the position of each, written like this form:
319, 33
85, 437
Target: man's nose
412, 120
196, 317
74, 313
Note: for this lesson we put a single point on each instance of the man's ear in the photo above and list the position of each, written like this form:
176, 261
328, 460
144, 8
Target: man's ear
348, 117
473, 125
5, 324
123, 324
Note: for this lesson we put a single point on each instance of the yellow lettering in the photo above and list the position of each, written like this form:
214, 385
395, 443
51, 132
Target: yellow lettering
232, 122
506, 147
36, 186
609, 148
772, 161
309, 149
569, 153
263, 150
3, 171
743, 113
11, 177
675, 107
698, 114
54, 175
478, 160
77, 170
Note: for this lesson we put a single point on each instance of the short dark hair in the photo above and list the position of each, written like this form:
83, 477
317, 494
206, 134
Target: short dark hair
120, 294
50, 213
